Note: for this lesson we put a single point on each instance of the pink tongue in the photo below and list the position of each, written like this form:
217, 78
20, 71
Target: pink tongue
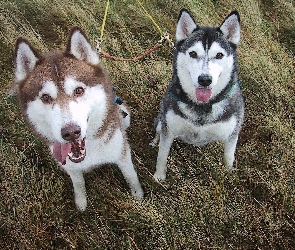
203, 95
60, 151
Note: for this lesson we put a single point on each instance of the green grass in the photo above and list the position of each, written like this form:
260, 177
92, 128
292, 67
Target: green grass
201, 205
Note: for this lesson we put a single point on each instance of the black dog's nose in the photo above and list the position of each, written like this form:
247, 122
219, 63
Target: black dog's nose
71, 132
205, 80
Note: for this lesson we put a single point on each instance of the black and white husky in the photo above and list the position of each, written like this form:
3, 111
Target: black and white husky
68, 100
203, 102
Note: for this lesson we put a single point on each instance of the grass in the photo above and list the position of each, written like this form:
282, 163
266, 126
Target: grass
201, 205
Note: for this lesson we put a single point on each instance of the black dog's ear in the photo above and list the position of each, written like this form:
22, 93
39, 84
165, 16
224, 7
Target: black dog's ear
231, 27
80, 47
185, 25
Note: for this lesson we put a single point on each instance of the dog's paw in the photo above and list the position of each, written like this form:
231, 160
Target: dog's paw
231, 169
81, 203
159, 176
138, 192
228, 163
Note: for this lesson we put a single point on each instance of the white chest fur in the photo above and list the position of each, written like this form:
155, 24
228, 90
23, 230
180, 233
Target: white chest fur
188, 131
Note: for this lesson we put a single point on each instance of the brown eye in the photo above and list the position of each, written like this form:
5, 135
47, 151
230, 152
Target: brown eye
193, 54
79, 91
219, 56
45, 98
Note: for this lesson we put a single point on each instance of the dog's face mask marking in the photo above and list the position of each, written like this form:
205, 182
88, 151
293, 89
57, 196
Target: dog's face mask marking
75, 106
205, 58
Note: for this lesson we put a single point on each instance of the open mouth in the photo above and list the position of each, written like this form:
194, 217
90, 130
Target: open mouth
203, 94
78, 151
75, 150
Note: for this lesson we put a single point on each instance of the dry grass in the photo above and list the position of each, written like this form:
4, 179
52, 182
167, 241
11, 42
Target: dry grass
201, 205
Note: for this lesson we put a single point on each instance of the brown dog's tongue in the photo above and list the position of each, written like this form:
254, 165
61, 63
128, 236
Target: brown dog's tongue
203, 95
60, 151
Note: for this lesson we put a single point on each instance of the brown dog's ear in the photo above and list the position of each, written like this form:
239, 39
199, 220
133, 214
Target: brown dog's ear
25, 60
231, 27
80, 47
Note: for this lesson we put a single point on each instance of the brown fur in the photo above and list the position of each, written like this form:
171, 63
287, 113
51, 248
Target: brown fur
80, 63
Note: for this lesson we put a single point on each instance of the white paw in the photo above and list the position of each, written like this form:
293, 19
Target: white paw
138, 192
160, 176
81, 203
231, 169
228, 163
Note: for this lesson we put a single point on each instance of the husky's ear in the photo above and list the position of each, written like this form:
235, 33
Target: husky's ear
80, 47
185, 25
231, 27
25, 59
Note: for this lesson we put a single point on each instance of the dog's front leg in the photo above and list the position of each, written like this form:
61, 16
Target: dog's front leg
164, 149
229, 151
126, 166
79, 188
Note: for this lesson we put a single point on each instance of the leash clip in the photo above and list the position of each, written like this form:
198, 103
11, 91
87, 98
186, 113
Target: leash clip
166, 37
98, 45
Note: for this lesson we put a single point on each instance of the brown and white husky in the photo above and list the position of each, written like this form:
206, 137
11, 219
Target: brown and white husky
68, 99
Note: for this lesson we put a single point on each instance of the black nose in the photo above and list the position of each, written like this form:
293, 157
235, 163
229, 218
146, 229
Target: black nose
205, 80
71, 132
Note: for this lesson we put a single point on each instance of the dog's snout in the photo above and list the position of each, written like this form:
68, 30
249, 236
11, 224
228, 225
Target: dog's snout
71, 132
205, 80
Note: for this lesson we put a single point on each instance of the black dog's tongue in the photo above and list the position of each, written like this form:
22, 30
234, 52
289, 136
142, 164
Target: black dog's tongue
203, 95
